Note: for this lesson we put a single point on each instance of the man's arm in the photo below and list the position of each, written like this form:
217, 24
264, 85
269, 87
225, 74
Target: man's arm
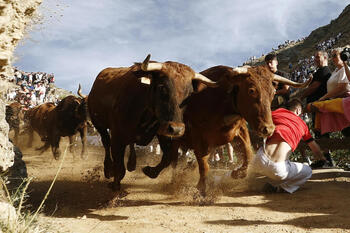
316, 150
310, 89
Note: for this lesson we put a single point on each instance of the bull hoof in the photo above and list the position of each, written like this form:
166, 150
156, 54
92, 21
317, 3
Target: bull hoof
201, 190
149, 171
131, 165
108, 174
239, 174
57, 156
115, 187
108, 169
83, 156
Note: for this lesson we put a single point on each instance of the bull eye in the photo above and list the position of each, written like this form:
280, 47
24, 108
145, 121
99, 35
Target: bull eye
252, 91
162, 91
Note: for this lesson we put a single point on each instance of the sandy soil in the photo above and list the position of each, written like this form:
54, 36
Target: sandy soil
82, 202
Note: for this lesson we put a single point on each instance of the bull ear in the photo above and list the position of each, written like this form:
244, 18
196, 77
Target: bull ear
185, 102
198, 86
200, 82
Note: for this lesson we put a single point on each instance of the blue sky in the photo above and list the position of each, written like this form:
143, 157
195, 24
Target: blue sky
77, 39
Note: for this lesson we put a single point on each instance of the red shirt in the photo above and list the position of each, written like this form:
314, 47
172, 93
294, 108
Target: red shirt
289, 127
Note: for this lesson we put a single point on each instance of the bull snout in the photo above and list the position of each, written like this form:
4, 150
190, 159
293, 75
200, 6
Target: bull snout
171, 129
266, 130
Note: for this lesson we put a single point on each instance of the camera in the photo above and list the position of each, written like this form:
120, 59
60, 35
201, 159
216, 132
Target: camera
345, 54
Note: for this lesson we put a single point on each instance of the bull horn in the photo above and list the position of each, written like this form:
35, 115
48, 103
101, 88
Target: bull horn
204, 80
283, 80
153, 66
241, 70
79, 92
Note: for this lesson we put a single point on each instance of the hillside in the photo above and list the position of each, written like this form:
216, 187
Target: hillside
307, 47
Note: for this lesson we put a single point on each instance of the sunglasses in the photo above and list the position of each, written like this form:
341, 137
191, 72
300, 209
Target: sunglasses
334, 55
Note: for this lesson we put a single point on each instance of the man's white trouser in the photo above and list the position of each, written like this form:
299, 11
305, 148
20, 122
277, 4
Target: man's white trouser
288, 175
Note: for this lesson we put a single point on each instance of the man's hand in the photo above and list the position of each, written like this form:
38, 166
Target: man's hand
316, 150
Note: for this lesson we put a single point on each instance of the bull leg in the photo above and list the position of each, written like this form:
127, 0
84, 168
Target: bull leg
30, 137
16, 130
131, 165
118, 151
242, 147
83, 132
106, 141
43, 148
55, 143
170, 154
71, 142
203, 167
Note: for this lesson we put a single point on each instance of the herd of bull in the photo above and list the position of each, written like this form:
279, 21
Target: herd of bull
184, 109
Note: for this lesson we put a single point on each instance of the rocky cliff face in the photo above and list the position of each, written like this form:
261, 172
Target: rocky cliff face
15, 17
6, 148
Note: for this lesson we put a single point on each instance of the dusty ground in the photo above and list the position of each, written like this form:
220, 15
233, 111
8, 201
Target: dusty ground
81, 201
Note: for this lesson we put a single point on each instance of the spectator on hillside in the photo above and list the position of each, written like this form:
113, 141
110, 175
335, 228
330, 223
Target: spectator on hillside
337, 84
318, 86
282, 90
334, 114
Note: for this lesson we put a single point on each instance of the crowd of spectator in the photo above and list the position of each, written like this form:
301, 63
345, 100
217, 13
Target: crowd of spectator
307, 65
328, 44
33, 88
279, 47
304, 67
287, 43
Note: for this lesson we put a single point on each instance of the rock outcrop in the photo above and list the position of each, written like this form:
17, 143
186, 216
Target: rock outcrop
15, 17
6, 148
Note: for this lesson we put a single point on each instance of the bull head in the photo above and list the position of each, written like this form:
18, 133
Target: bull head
251, 91
82, 110
170, 83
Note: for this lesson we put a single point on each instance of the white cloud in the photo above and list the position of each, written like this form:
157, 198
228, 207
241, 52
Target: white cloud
92, 35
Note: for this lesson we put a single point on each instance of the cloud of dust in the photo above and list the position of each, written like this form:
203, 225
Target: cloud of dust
219, 183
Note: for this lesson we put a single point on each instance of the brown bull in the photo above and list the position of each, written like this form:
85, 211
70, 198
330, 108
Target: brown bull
53, 122
216, 116
135, 104
14, 116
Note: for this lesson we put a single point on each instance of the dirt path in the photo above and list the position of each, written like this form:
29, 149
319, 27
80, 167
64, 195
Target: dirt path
81, 201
